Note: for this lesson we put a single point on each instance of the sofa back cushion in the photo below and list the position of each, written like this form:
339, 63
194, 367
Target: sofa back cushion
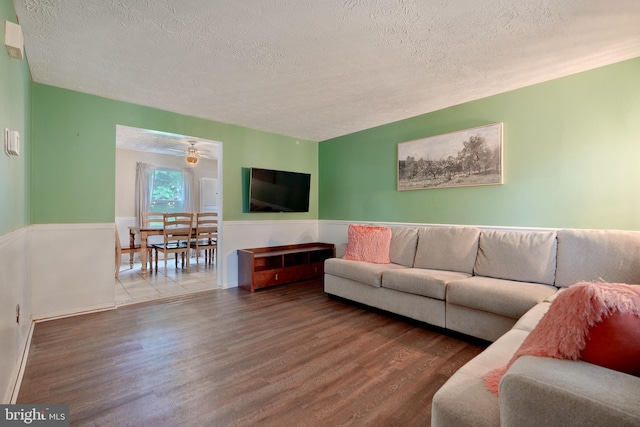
520, 256
403, 245
447, 248
598, 255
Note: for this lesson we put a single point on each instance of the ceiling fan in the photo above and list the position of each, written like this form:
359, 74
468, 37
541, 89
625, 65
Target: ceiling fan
192, 154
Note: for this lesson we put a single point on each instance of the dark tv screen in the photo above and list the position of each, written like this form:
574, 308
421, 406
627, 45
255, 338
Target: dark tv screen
278, 191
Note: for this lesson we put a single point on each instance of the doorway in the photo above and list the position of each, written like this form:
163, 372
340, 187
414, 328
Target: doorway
173, 155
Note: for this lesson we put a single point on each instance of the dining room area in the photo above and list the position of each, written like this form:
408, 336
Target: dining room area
167, 215
152, 273
131, 287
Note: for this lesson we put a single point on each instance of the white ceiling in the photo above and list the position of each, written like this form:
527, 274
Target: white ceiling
317, 69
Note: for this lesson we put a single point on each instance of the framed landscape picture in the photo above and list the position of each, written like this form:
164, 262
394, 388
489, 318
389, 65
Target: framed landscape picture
457, 159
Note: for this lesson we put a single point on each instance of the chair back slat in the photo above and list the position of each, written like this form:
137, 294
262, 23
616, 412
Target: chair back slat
206, 235
176, 234
150, 219
207, 226
177, 227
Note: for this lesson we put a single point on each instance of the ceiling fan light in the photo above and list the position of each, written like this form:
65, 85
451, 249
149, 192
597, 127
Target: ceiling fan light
191, 155
191, 159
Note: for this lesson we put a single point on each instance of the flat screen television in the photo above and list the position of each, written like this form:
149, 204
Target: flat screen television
278, 191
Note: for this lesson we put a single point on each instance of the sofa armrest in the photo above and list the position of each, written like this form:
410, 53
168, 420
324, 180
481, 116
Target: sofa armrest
540, 391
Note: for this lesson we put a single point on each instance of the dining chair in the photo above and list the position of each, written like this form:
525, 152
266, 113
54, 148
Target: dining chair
206, 236
123, 250
152, 219
176, 235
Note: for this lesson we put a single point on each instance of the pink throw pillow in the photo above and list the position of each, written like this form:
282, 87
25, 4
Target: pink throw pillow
368, 243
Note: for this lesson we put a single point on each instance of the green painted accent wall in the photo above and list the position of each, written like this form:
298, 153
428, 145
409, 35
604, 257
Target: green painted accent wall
74, 134
571, 159
15, 106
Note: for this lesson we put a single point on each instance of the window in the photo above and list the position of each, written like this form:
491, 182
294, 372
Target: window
168, 191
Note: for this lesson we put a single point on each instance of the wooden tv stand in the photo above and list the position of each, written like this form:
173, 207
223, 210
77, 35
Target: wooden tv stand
276, 265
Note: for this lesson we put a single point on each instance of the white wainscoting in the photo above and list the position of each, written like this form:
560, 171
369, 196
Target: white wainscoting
14, 290
255, 234
72, 268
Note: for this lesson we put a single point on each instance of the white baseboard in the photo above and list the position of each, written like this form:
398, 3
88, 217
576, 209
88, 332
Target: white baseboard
45, 317
17, 382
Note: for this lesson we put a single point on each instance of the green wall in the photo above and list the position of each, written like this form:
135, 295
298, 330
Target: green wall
571, 159
14, 114
74, 134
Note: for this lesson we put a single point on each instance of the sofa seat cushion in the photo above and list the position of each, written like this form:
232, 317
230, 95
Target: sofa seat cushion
360, 271
447, 248
464, 401
531, 318
419, 281
514, 255
505, 297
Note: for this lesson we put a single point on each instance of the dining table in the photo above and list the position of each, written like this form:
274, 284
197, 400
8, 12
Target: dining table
145, 232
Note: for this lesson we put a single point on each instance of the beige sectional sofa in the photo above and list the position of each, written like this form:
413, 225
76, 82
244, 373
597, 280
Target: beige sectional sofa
496, 285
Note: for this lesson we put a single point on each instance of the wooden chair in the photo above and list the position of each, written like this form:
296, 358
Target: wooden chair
206, 236
120, 250
152, 219
176, 237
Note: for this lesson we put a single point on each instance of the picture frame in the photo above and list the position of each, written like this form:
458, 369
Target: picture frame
470, 157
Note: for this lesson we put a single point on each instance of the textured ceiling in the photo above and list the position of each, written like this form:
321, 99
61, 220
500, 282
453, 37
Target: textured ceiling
317, 69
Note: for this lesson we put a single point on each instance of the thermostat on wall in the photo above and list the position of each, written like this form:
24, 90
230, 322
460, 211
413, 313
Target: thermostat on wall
11, 142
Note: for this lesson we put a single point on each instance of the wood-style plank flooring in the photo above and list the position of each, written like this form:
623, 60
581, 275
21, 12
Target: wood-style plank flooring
285, 356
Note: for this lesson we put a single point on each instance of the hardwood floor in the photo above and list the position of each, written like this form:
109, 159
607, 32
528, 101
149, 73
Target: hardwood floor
285, 356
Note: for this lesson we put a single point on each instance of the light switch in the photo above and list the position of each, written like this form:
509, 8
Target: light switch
11, 142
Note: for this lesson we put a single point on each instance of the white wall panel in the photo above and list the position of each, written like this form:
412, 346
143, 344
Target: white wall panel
72, 268
254, 234
14, 288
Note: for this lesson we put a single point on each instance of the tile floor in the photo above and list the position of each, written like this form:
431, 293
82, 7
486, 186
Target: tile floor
131, 287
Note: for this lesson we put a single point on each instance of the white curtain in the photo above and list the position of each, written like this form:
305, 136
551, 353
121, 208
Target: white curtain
144, 189
188, 192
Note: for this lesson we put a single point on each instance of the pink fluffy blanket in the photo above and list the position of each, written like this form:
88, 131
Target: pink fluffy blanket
563, 331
